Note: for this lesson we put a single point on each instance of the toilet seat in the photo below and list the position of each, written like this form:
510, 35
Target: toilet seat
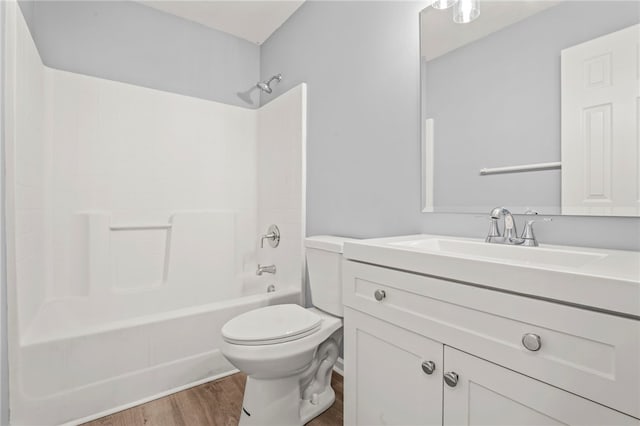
271, 325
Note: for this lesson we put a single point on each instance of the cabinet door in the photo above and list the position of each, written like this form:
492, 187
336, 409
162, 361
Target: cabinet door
385, 382
487, 394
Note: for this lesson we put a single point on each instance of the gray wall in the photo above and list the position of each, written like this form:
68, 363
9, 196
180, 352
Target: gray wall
361, 62
129, 42
498, 101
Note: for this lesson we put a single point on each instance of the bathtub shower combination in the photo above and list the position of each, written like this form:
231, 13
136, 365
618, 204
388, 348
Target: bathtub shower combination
133, 223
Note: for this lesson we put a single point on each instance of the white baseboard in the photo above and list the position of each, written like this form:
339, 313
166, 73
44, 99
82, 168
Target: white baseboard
339, 366
148, 399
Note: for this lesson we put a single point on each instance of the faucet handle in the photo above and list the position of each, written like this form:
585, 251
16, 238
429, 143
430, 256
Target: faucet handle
273, 235
528, 237
494, 232
527, 232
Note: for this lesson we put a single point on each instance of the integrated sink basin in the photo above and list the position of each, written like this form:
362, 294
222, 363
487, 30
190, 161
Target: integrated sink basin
508, 253
604, 280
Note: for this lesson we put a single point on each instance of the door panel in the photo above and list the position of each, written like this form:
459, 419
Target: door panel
600, 153
487, 394
385, 383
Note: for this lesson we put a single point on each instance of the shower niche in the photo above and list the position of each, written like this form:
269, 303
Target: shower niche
191, 249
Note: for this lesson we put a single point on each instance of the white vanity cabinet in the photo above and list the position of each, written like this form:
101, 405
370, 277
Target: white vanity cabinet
578, 366
398, 374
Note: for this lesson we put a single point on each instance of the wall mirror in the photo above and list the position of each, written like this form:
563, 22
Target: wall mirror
533, 105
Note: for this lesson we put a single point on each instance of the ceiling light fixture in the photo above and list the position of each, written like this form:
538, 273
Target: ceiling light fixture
443, 4
466, 11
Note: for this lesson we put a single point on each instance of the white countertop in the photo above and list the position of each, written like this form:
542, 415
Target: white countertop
595, 278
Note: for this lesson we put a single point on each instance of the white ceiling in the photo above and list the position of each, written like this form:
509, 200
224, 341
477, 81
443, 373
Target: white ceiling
439, 34
251, 20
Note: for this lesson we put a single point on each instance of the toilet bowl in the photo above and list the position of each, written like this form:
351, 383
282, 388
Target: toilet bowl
287, 351
281, 374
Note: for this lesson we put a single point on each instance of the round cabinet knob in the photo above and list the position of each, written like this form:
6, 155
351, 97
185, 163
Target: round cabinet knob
532, 342
379, 295
429, 367
451, 378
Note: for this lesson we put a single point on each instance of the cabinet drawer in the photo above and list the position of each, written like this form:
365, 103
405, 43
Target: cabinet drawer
591, 354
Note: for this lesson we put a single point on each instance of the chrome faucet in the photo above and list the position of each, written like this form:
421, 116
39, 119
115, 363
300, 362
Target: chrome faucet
509, 229
269, 269
510, 234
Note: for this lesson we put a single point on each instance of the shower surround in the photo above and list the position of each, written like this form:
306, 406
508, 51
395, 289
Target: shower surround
132, 223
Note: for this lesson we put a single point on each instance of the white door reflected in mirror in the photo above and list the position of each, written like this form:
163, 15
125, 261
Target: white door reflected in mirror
600, 116
534, 106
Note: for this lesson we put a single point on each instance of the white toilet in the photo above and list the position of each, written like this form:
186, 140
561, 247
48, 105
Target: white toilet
288, 352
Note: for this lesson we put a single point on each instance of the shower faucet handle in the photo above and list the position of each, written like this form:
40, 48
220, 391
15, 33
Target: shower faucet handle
273, 235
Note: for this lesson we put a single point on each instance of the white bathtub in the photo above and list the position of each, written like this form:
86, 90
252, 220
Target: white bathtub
67, 371
125, 249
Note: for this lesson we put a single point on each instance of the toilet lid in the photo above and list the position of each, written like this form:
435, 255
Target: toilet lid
273, 324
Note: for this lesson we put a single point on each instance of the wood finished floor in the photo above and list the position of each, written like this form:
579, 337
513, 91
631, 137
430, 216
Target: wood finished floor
216, 403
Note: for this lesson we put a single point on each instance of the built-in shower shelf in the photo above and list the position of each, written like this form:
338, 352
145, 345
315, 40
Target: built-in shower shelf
140, 227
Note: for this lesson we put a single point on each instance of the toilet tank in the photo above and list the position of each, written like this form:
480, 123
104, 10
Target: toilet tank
324, 263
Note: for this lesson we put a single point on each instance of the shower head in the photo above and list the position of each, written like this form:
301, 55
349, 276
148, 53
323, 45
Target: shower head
265, 86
